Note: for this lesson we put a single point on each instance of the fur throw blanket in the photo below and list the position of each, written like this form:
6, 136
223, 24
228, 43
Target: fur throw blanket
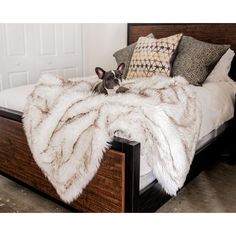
68, 128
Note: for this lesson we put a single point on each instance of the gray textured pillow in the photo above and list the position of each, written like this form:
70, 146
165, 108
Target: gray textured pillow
196, 59
124, 55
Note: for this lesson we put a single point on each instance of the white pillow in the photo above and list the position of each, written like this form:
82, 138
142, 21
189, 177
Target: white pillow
222, 68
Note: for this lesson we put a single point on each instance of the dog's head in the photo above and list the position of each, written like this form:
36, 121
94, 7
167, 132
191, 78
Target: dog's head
111, 79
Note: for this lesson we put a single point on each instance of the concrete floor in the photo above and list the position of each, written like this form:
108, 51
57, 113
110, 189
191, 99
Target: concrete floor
212, 191
16, 198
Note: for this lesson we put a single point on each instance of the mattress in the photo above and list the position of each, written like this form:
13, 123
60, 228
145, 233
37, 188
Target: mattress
215, 100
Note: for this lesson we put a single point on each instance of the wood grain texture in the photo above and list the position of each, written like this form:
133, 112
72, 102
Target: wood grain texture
208, 32
105, 193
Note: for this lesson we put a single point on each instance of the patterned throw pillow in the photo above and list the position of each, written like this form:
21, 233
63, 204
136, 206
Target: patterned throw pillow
196, 59
153, 56
124, 55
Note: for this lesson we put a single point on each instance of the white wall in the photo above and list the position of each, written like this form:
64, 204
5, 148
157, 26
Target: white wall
100, 41
28, 50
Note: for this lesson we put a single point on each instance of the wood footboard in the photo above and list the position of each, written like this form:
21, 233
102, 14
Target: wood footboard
105, 193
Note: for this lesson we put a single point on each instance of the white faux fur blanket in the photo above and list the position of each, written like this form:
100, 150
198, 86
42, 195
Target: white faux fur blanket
68, 128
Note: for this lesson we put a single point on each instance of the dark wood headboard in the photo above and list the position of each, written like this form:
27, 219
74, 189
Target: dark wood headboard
222, 33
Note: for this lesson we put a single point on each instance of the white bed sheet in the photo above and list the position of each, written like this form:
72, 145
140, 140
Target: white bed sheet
215, 99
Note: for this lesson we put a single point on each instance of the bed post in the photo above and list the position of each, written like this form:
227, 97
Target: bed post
234, 108
233, 135
231, 139
132, 171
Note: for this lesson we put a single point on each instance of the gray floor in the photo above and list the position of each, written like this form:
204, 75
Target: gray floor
212, 191
15, 198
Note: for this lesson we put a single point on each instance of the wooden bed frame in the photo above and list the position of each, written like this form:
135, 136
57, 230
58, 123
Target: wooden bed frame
115, 187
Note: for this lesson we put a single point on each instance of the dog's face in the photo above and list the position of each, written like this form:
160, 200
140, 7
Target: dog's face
111, 79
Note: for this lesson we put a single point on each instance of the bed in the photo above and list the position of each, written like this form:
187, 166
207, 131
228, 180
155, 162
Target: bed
122, 184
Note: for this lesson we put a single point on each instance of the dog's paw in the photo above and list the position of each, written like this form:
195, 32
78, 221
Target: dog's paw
122, 90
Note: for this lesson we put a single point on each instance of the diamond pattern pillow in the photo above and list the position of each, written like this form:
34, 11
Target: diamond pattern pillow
153, 57
196, 59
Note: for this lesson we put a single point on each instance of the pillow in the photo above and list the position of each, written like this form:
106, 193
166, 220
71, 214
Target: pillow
196, 59
222, 68
153, 56
124, 55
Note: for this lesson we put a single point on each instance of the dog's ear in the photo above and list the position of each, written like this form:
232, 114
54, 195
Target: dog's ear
121, 67
100, 72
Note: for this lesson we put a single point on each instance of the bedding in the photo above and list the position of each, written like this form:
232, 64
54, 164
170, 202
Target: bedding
196, 59
68, 128
124, 55
153, 57
15, 98
215, 100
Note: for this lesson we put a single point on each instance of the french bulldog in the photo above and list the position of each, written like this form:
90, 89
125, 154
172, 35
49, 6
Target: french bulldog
111, 81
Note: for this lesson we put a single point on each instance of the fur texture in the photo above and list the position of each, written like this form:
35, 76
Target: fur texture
68, 128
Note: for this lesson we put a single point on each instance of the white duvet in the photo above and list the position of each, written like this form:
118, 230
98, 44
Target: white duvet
216, 101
